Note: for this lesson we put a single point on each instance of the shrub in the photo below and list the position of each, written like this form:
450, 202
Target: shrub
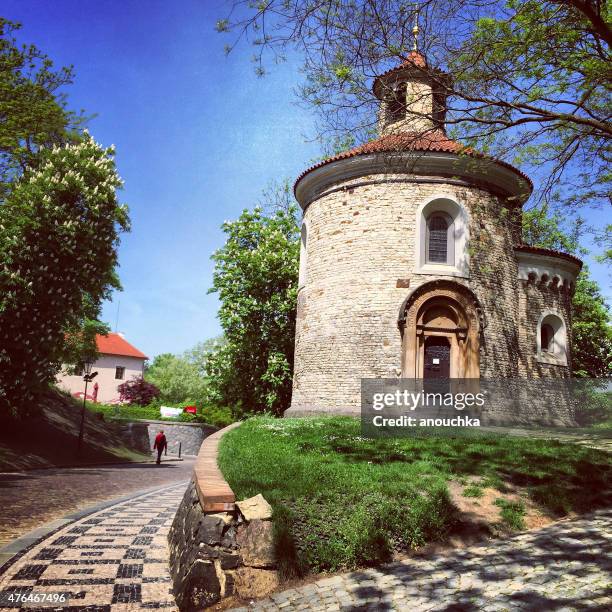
217, 416
125, 412
187, 417
138, 391
211, 415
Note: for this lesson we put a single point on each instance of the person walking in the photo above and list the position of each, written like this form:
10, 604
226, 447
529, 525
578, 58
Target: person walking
161, 444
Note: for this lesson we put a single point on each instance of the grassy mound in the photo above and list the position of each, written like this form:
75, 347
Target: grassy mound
342, 501
48, 437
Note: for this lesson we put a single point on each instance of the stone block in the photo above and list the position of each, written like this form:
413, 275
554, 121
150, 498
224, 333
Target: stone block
256, 544
255, 582
255, 508
229, 538
200, 587
208, 530
228, 560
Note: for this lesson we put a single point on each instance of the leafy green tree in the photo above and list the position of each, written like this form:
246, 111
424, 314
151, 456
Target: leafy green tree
59, 225
166, 372
591, 329
80, 343
32, 107
177, 378
59, 232
256, 274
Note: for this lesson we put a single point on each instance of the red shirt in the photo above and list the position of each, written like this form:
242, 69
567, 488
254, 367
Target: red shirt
160, 441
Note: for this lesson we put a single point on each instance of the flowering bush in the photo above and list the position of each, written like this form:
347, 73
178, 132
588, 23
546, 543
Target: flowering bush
138, 391
59, 232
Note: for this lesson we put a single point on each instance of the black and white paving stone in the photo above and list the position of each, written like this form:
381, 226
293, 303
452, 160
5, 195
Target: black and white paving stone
114, 559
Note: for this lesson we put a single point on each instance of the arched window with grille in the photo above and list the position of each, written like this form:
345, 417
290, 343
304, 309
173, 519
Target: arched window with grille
442, 235
396, 104
439, 244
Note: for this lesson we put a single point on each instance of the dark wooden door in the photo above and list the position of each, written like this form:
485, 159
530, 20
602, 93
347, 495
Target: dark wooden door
437, 357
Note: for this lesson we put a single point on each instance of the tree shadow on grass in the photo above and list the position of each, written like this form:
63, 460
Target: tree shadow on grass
556, 481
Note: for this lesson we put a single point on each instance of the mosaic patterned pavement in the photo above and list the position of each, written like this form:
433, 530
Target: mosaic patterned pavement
112, 560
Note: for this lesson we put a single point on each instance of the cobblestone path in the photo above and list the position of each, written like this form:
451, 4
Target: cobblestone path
111, 560
34, 498
565, 566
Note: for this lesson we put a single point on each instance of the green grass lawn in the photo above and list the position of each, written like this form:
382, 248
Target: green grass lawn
343, 501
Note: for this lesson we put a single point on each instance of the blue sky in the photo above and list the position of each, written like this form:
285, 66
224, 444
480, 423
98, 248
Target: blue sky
198, 138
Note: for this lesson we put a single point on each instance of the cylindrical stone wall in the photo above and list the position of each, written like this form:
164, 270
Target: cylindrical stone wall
361, 265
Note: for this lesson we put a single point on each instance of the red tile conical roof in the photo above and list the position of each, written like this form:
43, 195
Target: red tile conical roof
414, 58
433, 140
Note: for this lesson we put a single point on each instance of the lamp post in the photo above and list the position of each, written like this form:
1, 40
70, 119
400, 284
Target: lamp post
88, 376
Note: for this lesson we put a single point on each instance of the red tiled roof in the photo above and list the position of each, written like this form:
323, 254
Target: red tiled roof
551, 252
114, 344
434, 140
414, 58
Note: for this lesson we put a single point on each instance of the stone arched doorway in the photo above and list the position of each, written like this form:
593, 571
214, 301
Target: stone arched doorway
440, 324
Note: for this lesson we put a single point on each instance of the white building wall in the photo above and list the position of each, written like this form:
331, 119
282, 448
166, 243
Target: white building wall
107, 383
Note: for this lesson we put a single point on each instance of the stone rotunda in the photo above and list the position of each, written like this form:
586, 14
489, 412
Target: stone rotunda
412, 264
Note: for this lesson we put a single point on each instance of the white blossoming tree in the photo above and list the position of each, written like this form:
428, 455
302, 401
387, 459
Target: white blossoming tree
59, 232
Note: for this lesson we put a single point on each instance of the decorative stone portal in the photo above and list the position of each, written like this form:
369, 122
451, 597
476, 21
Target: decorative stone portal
440, 323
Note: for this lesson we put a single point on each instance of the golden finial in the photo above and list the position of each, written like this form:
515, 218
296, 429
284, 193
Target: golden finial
415, 31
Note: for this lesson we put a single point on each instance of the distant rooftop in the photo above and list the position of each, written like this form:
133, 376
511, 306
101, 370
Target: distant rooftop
116, 344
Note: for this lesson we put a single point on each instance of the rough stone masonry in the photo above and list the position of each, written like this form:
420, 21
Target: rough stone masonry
215, 555
412, 263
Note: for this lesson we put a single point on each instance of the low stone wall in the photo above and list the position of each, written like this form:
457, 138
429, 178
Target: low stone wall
134, 434
140, 435
219, 547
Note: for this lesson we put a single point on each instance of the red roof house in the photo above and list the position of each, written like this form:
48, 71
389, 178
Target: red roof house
118, 362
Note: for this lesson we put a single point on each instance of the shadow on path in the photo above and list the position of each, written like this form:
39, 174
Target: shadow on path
566, 566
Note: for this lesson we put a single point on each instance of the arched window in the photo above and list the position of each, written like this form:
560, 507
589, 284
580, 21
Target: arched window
442, 236
396, 105
440, 245
547, 338
552, 339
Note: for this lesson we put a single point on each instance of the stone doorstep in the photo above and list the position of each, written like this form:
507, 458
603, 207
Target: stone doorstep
214, 492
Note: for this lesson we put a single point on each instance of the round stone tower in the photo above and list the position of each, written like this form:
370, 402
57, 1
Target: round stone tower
411, 263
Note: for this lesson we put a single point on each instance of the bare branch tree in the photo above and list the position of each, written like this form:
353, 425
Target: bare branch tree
530, 79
